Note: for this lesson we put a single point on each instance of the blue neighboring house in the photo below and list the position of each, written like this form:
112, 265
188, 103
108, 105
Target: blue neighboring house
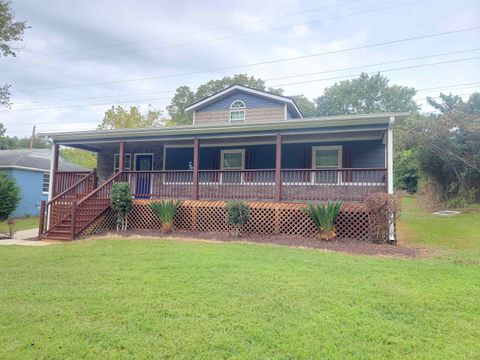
31, 170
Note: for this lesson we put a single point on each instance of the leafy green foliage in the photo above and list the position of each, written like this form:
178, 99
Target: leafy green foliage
324, 215
9, 196
10, 31
80, 157
406, 171
118, 117
238, 213
307, 107
14, 142
448, 149
121, 203
363, 95
165, 210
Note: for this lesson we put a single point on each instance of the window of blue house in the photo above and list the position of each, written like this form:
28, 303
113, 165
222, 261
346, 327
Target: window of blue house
46, 183
237, 112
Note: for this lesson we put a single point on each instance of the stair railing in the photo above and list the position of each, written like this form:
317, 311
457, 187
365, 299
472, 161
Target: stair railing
59, 207
96, 203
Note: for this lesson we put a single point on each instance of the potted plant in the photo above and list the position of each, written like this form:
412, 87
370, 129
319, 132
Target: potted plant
324, 216
238, 213
165, 210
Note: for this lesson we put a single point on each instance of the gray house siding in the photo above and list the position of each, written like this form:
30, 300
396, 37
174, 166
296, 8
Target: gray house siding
105, 159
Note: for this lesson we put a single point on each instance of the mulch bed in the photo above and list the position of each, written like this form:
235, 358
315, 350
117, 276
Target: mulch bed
342, 245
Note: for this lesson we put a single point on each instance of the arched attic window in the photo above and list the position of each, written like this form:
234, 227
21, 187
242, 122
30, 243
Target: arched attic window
237, 112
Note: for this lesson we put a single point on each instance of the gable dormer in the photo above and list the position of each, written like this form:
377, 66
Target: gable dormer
239, 104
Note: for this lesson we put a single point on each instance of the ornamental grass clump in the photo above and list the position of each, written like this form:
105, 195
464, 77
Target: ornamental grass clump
324, 216
166, 210
238, 213
121, 203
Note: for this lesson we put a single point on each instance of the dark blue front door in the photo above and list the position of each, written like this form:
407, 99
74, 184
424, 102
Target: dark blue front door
143, 162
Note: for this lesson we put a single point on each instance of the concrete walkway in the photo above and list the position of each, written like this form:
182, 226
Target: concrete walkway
25, 237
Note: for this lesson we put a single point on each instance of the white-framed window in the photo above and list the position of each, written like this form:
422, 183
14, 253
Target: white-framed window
46, 183
327, 158
232, 160
116, 162
237, 112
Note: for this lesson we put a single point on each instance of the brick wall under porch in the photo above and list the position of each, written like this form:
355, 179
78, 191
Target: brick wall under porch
269, 218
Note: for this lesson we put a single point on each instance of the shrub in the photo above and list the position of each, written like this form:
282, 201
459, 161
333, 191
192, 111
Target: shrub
9, 196
121, 202
166, 210
383, 208
238, 213
324, 216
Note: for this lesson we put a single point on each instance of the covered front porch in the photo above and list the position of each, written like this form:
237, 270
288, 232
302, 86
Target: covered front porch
346, 166
296, 161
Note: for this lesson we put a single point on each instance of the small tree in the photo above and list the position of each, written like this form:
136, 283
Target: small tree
9, 196
121, 203
238, 213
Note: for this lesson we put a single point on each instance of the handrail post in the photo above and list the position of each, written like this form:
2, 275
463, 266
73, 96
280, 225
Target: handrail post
196, 146
278, 169
74, 221
41, 224
94, 183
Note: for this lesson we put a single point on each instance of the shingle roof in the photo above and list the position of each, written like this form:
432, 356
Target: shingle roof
38, 159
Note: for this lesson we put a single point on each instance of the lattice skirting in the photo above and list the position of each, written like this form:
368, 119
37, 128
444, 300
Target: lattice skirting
267, 218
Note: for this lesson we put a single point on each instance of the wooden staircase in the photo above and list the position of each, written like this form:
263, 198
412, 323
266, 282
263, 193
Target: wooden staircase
72, 211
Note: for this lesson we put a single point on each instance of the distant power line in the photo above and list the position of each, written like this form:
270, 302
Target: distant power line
224, 27
196, 42
275, 85
267, 79
260, 63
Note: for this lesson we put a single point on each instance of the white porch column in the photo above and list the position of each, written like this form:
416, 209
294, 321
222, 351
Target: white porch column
390, 155
53, 170
391, 232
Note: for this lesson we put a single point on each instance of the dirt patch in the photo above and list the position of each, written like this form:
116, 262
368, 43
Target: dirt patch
343, 245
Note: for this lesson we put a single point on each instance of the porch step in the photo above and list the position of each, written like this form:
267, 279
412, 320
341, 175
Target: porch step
57, 236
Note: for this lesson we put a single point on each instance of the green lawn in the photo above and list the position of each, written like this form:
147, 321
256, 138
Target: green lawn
21, 224
174, 299
458, 236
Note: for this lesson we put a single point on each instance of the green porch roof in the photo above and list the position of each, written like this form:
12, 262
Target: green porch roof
293, 126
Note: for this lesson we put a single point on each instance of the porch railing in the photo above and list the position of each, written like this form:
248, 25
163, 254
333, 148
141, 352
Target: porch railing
66, 179
296, 184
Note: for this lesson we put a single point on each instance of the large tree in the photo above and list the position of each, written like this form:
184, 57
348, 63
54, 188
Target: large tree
118, 117
185, 96
363, 95
10, 31
448, 148
307, 107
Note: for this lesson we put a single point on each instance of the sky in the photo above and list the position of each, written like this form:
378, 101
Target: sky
79, 58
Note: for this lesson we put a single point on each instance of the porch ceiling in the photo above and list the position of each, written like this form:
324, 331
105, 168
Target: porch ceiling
240, 140
356, 127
